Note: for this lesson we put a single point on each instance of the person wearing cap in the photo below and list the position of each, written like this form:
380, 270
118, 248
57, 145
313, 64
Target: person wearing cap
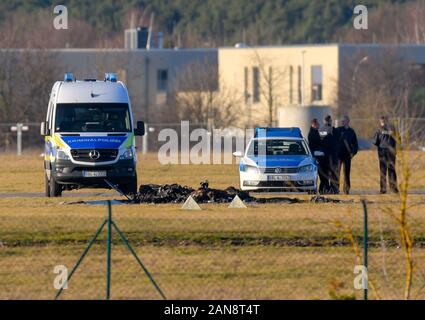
386, 143
329, 142
348, 148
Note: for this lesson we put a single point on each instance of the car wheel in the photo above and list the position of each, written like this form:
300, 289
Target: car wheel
55, 188
46, 186
129, 188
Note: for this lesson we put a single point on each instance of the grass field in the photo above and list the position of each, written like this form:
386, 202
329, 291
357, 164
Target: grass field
271, 251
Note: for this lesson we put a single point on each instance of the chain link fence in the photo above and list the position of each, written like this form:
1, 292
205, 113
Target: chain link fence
414, 128
293, 249
30, 139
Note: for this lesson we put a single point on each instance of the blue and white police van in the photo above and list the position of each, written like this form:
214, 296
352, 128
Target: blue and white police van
277, 160
90, 136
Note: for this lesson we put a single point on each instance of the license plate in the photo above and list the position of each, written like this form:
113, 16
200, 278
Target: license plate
94, 174
279, 178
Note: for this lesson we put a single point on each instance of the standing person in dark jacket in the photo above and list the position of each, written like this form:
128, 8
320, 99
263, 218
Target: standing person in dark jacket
314, 141
385, 140
348, 147
330, 147
315, 144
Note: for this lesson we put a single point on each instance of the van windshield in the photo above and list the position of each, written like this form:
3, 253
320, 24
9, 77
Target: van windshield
92, 117
277, 147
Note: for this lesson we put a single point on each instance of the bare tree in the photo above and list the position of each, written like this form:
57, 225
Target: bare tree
271, 79
392, 24
26, 78
380, 85
387, 85
35, 30
197, 97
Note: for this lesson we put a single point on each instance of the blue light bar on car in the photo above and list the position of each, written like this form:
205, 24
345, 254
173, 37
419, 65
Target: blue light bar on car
277, 132
112, 77
68, 77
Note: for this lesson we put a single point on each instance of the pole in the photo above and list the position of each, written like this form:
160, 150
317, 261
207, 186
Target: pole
145, 140
108, 253
82, 257
19, 139
365, 247
110, 224
354, 77
130, 248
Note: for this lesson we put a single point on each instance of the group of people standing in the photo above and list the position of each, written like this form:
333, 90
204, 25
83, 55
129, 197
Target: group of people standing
334, 148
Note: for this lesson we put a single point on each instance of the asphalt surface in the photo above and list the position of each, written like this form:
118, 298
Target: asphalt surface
23, 195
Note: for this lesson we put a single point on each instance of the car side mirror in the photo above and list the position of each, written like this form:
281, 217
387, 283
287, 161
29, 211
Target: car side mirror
44, 129
318, 154
140, 129
238, 154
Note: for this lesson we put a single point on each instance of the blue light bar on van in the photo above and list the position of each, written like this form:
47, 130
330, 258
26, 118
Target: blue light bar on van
68, 77
112, 77
277, 132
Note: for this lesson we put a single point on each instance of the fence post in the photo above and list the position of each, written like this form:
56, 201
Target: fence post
108, 252
145, 140
18, 129
365, 247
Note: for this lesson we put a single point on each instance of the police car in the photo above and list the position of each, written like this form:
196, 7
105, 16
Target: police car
277, 160
90, 136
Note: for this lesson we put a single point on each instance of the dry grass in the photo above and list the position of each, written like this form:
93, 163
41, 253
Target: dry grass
270, 251
25, 174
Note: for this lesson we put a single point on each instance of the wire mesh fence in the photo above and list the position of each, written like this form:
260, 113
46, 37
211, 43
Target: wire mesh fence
293, 249
157, 134
241, 255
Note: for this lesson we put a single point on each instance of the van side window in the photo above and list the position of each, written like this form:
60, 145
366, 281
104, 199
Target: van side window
50, 114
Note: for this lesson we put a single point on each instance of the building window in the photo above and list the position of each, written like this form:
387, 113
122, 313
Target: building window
316, 83
246, 93
291, 79
299, 89
255, 84
162, 80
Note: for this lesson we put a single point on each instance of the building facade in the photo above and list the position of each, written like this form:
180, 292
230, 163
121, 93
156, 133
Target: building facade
263, 79
271, 78
152, 76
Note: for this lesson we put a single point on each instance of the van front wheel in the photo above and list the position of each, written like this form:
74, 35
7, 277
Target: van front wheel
46, 186
55, 188
129, 188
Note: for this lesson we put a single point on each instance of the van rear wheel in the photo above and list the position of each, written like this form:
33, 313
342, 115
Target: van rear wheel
55, 188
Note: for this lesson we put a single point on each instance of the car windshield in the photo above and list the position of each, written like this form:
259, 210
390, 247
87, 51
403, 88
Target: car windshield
92, 117
277, 147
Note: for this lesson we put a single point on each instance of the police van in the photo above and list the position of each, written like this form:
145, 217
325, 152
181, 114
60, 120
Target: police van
89, 136
277, 160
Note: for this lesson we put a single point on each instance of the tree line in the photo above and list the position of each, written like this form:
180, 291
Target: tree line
194, 23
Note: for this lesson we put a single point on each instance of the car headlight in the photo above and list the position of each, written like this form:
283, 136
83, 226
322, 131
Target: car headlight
307, 168
128, 154
61, 155
252, 169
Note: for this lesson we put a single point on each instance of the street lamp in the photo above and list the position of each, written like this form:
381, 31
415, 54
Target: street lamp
19, 128
356, 69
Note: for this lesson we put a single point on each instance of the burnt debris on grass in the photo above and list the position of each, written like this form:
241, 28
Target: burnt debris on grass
322, 199
175, 193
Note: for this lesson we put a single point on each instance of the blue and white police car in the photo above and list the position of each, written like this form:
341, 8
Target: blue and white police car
277, 160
